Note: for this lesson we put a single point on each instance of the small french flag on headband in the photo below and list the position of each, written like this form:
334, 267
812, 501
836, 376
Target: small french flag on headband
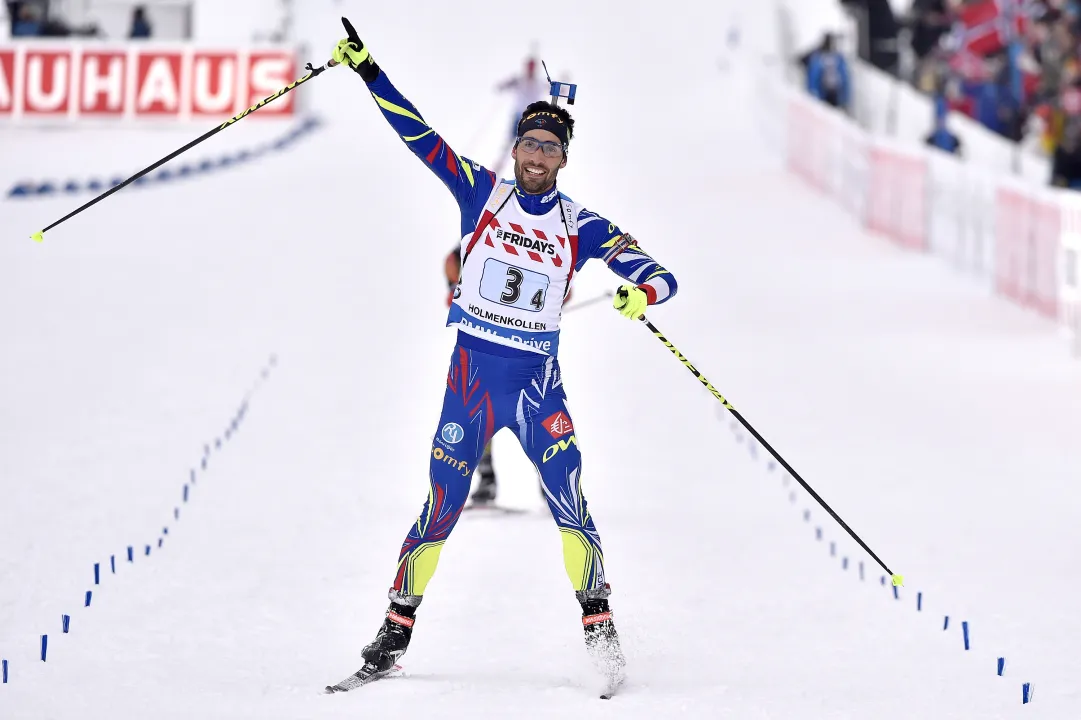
563, 90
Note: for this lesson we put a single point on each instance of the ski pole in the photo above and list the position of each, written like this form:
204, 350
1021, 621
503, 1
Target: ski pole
585, 303
897, 579
312, 72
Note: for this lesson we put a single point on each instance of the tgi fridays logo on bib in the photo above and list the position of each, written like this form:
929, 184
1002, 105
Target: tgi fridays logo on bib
523, 241
515, 236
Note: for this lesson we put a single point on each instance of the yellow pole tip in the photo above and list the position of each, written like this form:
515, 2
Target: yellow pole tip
38, 236
898, 580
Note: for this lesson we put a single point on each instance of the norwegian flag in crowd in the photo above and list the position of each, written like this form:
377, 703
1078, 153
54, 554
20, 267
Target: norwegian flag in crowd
971, 67
988, 26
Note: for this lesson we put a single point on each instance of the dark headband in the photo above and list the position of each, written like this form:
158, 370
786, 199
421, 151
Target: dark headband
544, 120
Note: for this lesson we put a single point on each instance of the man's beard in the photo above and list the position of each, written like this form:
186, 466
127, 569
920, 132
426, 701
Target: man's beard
531, 184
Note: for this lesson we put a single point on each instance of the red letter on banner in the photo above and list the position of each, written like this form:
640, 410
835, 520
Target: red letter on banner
7, 82
157, 83
270, 72
47, 82
103, 85
214, 84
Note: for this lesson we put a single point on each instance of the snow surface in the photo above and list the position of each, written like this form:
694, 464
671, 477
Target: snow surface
940, 423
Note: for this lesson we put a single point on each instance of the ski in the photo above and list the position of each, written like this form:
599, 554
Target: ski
366, 675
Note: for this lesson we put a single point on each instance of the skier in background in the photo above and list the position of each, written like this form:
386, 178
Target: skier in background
528, 87
487, 487
522, 241
486, 482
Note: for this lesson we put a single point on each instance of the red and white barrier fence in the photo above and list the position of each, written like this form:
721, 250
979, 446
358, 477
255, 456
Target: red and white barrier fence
1070, 269
897, 202
48, 81
1027, 241
1022, 238
881, 183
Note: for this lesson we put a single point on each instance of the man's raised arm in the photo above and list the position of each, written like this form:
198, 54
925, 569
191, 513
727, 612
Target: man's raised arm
469, 182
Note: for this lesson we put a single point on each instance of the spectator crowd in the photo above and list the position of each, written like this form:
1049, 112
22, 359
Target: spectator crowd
1012, 65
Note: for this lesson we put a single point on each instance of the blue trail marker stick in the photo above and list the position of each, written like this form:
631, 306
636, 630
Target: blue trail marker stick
896, 578
964, 631
1001, 666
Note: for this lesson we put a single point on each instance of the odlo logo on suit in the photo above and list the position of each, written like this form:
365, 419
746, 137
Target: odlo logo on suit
558, 447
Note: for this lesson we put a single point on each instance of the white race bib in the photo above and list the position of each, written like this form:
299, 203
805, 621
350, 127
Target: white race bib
515, 273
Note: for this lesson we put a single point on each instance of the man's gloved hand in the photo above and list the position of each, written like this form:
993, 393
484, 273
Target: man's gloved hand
630, 301
351, 51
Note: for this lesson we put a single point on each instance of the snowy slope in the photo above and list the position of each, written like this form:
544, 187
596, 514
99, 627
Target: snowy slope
939, 423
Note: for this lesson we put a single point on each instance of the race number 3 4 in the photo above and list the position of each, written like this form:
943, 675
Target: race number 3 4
513, 286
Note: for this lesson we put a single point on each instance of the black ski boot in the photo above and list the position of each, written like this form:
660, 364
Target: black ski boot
391, 642
393, 637
602, 641
486, 488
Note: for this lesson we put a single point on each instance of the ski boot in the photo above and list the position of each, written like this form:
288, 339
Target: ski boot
392, 640
393, 637
602, 642
486, 488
